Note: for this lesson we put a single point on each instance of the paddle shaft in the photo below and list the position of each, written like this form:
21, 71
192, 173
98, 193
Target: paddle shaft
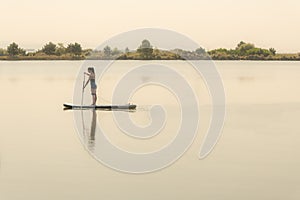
82, 89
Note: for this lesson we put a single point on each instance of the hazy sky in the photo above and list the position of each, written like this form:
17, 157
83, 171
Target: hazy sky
211, 23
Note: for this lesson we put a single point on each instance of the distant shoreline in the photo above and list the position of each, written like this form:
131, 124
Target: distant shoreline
56, 58
51, 51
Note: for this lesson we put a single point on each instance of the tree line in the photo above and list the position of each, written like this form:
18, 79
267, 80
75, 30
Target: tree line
50, 49
145, 51
243, 51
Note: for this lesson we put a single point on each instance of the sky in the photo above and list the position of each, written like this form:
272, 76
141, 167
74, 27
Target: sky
211, 23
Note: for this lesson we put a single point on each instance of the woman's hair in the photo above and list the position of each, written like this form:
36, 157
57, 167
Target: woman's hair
91, 69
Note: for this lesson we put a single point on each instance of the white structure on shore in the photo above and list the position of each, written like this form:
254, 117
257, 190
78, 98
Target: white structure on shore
30, 51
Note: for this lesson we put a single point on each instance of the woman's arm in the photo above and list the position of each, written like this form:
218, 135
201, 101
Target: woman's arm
86, 73
86, 83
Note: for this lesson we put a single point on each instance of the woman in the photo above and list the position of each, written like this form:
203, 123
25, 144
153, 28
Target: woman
91, 74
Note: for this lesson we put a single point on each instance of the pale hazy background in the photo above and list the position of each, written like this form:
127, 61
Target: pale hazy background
211, 23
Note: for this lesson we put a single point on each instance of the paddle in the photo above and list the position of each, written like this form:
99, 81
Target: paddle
82, 89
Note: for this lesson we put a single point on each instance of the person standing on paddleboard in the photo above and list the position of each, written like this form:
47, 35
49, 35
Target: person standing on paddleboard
92, 77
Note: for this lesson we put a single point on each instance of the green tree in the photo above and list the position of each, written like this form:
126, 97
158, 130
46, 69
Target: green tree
218, 51
266, 52
107, 51
74, 49
242, 48
273, 51
145, 49
60, 49
22, 52
258, 51
127, 50
254, 51
240, 44
221, 54
145, 44
13, 49
200, 51
116, 51
49, 48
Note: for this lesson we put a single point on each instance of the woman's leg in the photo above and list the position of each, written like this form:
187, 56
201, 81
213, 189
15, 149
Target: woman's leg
94, 99
94, 96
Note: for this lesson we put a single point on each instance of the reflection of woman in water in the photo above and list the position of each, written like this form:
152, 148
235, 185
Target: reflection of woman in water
92, 137
92, 77
93, 125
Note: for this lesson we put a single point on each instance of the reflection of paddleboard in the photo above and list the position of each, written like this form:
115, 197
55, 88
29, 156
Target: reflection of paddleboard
103, 107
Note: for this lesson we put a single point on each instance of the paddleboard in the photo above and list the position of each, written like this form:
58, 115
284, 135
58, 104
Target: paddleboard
101, 107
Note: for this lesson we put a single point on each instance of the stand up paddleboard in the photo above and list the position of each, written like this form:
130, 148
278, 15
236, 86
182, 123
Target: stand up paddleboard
100, 107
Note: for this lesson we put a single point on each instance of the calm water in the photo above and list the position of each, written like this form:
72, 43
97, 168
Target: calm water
257, 156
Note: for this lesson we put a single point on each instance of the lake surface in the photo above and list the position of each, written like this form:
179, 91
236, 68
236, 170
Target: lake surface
43, 157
